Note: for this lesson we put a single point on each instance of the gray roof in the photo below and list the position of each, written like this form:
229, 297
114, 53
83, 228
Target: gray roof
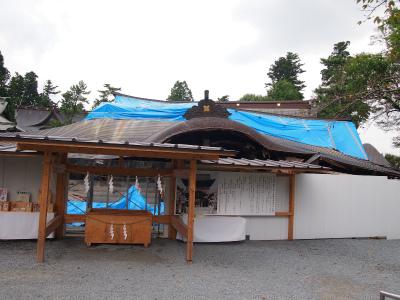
109, 129
268, 163
375, 156
31, 119
146, 131
21, 137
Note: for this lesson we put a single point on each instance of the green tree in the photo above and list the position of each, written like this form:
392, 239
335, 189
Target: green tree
105, 95
31, 95
253, 98
394, 160
284, 90
180, 92
4, 77
15, 93
287, 68
73, 101
49, 90
343, 78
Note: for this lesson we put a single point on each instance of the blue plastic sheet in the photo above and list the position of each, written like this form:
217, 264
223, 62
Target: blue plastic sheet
136, 202
339, 135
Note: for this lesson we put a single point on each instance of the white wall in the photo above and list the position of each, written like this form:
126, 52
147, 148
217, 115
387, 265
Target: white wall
340, 206
334, 206
270, 227
21, 174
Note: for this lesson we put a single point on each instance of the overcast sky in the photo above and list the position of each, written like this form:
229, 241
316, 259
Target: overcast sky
145, 46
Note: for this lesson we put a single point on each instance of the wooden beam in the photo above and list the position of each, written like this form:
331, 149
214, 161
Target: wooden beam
43, 202
72, 218
61, 193
181, 227
53, 224
292, 190
192, 200
162, 219
183, 173
19, 154
171, 205
120, 150
282, 214
98, 170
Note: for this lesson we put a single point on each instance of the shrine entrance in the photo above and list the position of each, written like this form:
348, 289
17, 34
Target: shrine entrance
123, 226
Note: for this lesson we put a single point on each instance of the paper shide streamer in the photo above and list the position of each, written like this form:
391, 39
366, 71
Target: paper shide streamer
137, 186
111, 184
125, 232
159, 185
86, 182
112, 231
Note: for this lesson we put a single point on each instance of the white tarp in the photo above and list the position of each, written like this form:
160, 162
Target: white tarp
213, 229
20, 225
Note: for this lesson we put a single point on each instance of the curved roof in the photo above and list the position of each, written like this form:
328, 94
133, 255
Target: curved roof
152, 131
340, 135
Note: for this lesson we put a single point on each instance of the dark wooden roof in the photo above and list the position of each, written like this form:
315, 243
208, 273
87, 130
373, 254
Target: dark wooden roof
154, 131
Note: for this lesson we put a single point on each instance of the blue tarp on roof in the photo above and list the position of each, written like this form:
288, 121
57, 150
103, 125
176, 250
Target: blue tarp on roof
339, 135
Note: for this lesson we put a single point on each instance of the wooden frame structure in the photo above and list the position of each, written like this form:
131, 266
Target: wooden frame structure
55, 155
55, 160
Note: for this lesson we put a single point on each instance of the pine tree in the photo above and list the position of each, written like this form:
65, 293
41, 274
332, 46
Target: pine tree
284, 90
287, 68
180, 92
105, 95
15, 94
339, 80
49, 90
4, 77
73, 101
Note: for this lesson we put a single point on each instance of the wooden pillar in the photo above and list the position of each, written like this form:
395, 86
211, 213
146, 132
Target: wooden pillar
61, 193
292, 190
43, 201
192, 198
171, 206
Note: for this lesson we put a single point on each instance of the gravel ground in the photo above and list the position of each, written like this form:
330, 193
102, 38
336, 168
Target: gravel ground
313, 269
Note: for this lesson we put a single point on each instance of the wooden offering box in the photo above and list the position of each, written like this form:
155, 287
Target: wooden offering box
116, 226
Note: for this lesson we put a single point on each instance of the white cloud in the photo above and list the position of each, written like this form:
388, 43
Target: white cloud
145, 46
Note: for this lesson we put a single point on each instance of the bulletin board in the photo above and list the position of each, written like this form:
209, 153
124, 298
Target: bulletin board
246, 194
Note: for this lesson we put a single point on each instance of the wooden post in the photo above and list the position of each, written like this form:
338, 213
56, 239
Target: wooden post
171, 206
292, 190
43, 206
61, 193
192, 199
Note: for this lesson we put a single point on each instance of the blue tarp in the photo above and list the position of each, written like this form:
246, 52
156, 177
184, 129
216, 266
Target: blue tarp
136, 202
339, 135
